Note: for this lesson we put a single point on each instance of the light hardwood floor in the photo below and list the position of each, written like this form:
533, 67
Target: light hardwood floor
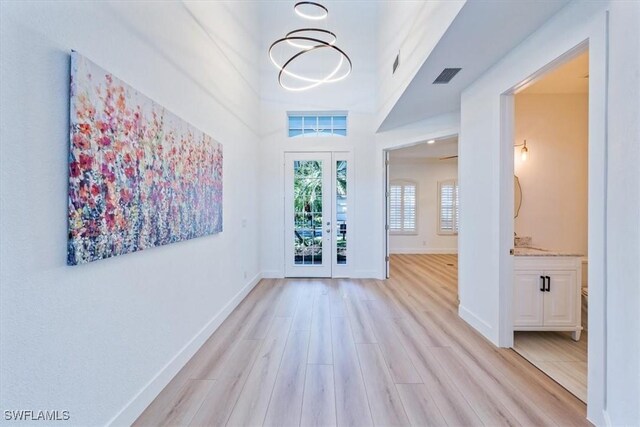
359, 353
558, 356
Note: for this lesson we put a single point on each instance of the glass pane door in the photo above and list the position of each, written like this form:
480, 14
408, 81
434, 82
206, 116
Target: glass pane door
308, 218
342, 195
341, 211
317, 229
308, 212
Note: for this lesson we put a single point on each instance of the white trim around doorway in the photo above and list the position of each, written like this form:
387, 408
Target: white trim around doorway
597, 170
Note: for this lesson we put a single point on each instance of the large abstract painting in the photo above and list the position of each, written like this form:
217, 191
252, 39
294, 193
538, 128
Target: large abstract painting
139, 176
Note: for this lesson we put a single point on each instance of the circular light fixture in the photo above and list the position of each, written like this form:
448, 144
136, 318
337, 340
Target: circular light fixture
332, 38
431, 141
315, 82
311, 10
319, 44
305, 41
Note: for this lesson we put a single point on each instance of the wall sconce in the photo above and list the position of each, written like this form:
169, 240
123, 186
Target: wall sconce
524, 152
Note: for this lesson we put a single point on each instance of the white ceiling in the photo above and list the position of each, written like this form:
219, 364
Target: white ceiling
481, 34
568, 78
443, 147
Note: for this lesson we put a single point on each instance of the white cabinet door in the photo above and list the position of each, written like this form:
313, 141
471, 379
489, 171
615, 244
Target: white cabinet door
560, 300
528, 299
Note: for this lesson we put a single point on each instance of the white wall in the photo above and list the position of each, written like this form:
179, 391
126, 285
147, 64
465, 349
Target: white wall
90, 338
482, 158
623, 218
485, 266
425, 173
554, 178
413, 29
442, 126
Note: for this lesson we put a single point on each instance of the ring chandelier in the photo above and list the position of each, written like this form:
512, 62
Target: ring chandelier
309, 41
316, 13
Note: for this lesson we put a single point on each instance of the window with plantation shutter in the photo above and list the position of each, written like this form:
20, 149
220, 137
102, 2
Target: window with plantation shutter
448, 207
402, 207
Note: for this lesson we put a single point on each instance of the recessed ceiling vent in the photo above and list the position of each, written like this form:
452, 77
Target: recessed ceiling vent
446, 75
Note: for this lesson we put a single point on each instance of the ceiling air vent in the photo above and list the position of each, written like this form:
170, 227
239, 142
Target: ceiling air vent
396, 62
446, 75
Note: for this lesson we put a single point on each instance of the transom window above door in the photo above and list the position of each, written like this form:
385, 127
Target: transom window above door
317, 124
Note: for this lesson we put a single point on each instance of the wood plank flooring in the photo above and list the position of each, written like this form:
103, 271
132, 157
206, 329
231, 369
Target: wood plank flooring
359, 353
558, 356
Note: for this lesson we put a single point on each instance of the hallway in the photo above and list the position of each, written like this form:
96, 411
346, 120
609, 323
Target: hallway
359, 352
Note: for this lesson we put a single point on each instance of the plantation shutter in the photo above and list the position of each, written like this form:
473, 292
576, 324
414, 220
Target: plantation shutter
448, 209
457, 209
409, 208
402, 207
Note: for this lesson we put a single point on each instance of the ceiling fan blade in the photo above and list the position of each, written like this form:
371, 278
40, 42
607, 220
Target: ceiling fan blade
447, 158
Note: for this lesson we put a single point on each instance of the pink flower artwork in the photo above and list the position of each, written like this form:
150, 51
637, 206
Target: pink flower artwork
139, 176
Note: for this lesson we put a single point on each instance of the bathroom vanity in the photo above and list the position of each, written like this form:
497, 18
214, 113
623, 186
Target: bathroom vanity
547, 291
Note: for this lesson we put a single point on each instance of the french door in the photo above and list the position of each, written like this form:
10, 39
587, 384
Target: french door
317, 194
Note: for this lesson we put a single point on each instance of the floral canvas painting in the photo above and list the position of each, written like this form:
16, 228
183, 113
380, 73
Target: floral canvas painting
139, 176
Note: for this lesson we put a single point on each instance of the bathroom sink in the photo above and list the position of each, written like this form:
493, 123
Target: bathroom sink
531, 251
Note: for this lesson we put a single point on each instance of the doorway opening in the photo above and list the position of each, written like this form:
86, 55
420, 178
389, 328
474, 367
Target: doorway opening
422, 206
550, 284
318, 193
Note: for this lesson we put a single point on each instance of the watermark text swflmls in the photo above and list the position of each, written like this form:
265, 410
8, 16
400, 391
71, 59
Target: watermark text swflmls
31, 415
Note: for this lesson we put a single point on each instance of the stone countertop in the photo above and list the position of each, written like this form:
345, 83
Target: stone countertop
529, 251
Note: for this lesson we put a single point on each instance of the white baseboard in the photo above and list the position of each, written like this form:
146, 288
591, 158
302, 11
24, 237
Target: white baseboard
366, 274
407, 251
360, 274
272, 274
606, 418
477, 323
139, 403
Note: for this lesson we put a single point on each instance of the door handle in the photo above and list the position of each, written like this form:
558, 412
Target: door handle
548, 283
542, 288
328, 230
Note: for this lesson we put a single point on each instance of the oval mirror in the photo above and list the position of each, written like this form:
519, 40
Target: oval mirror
517, 196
